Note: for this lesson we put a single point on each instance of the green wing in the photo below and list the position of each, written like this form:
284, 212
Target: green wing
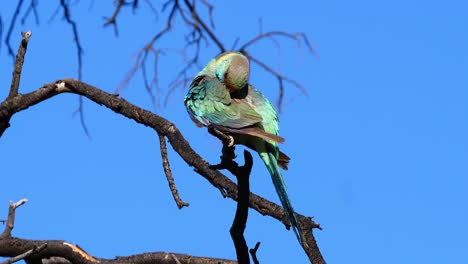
209, 102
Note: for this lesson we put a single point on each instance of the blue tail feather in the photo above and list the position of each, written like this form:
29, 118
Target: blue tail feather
271, 163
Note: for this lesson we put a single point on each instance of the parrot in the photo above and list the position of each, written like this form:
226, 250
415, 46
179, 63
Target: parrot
220, 96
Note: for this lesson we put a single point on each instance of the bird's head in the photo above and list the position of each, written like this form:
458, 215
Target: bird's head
232, 69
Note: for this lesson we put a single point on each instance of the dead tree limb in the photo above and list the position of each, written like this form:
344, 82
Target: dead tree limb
163, 126
167, 170
15, 82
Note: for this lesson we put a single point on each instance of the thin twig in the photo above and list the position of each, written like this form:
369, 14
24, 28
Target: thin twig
79, 49
113, 19
11, 217
193, 40
76, 38
144, 52
15, 82
167, 170
296, 36
253, 253
32, 7
210, 11
204, 26
80, 111
26, 254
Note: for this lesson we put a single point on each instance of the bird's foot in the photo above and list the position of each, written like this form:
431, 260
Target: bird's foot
227, 140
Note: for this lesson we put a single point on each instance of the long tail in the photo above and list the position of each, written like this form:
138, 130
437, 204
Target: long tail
272, 166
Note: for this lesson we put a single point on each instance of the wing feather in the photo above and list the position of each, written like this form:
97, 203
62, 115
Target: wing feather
209, 101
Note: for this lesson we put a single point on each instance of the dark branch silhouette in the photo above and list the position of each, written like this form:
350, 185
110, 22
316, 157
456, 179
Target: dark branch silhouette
242, 174
253, 253
242, 212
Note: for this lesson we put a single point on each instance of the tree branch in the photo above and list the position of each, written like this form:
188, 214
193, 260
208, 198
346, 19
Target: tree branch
26, 254
76, 38
210, 33
34, 251
169, 130
64, 250
113, 19
167, 170
15, 81
11, 218
253, 253
242, 212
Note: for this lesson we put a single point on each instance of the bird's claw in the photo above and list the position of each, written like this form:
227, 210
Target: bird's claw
227, 140
231, 141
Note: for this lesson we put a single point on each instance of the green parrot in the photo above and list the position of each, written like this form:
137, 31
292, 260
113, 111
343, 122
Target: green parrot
220, 96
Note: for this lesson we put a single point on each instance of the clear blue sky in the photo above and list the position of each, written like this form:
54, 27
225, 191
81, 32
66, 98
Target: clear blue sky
379, 148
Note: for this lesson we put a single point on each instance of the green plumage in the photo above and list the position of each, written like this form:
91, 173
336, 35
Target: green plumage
221, 96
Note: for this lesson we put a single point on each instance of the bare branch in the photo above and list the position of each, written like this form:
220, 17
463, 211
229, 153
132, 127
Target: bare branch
299, 36
144, 52
80, 112
19, 64
167, 170
43, 251
169, 130
253, 253
32, 7
197, 18
210, 11
113, 19
243, 189
151, 6
58, 250
11, 217
79, 48
240, 220
25, 254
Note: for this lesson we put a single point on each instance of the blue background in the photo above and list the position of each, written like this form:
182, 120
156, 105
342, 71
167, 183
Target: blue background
379, 146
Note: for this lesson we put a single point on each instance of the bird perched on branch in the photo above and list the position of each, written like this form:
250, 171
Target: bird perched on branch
221, 97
